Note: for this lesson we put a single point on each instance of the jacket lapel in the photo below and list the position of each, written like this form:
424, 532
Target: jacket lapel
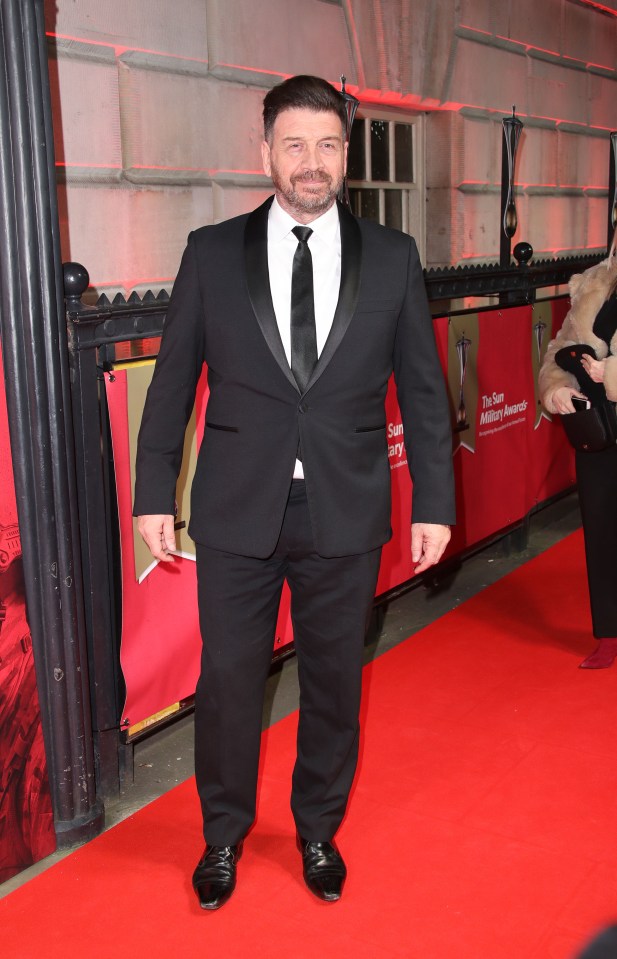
258, 282
351, 262
256, 261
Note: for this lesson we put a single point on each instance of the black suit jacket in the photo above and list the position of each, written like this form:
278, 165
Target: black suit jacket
221, 313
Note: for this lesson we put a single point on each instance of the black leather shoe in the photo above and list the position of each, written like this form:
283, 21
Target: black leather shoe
214, 879
323, 867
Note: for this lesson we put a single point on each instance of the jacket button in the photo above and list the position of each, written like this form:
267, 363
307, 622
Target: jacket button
303, 408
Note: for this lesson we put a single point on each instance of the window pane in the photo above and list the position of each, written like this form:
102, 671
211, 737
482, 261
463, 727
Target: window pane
394, 209
369, 204
380, 150
403, 153
356, 159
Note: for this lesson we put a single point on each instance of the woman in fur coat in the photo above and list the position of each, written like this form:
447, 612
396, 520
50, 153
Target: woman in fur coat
581, 362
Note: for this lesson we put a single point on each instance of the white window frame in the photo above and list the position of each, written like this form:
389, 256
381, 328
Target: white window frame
414, 210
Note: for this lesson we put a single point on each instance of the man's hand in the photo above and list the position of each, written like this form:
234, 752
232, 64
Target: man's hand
428, 541
157, 532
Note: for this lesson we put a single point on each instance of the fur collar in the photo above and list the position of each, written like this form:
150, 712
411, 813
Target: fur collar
588, 291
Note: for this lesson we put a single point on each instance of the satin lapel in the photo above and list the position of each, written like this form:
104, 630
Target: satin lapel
257, 278
351, 262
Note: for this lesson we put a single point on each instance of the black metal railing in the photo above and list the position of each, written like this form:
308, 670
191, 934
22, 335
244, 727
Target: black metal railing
513, 284
101, 334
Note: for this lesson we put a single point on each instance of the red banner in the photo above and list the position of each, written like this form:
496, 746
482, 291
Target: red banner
508, 457
26, 820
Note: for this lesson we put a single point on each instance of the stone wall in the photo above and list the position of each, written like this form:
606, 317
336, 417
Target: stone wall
158, 129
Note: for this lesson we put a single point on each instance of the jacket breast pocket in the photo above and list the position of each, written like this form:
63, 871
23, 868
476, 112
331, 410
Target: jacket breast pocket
377, 306
223, 429
369, 429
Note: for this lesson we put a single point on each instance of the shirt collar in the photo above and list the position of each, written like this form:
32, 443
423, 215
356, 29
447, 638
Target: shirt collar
280, 224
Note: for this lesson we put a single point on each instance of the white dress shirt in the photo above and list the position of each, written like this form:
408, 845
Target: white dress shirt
325, 246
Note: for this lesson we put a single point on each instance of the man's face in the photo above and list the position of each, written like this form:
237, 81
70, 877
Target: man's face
306, 159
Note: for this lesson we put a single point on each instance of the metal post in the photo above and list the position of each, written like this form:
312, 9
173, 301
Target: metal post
512, 129
612, 190
38, 400
96, 524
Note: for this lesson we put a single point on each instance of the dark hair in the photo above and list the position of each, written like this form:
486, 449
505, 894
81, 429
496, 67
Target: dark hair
303, 92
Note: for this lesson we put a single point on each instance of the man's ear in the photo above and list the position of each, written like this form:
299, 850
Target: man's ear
345, 154
265, 158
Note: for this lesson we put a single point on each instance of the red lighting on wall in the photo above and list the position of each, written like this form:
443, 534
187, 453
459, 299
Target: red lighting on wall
520, 185
89, 166
529, 46
601, 7
248, 79
524, 45
210, 171
119, 50
267, 73
388, 98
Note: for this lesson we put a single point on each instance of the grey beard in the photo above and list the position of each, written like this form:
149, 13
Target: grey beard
311, 204
306, 203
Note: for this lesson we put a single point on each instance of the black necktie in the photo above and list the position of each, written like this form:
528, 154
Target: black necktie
303, 333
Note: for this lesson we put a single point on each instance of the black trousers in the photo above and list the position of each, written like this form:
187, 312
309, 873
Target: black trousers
239, 596
596, 474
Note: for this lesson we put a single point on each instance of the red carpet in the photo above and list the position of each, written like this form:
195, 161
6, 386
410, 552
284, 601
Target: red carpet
482, 825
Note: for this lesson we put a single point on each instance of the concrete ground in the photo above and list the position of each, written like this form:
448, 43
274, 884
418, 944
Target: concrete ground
166, 758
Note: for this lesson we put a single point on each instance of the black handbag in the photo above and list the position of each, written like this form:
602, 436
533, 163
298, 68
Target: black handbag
591, 429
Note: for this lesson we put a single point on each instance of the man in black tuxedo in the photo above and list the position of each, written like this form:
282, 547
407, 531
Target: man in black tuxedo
300, 327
